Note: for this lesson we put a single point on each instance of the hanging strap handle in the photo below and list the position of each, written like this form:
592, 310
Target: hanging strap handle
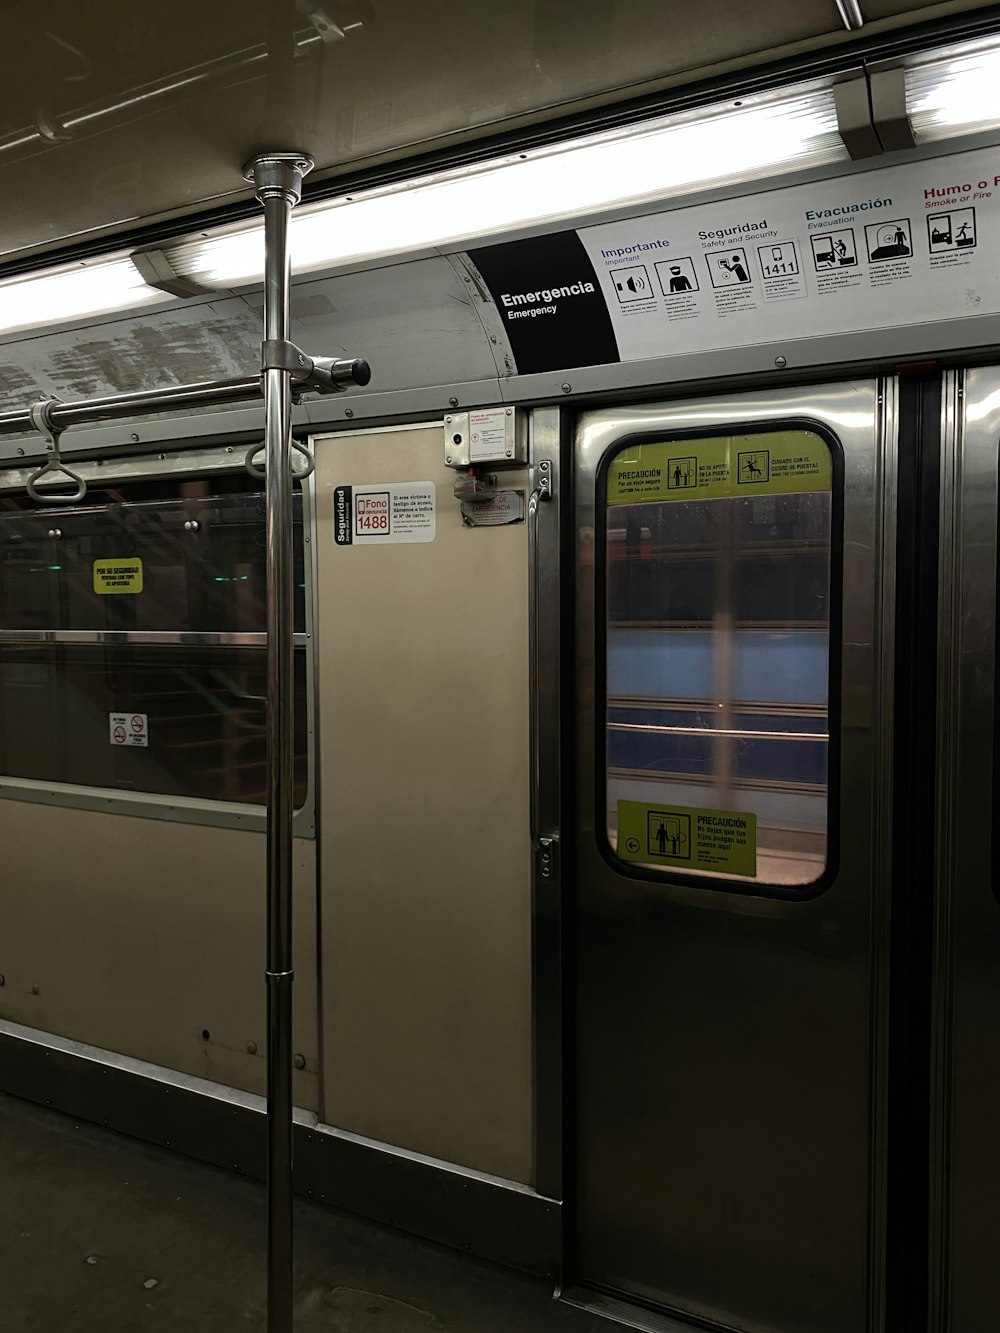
49, 496
259, 472
41, 419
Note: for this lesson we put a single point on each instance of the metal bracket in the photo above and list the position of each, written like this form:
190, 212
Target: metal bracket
41, 419
156, 271
547, 858
543, 480
51, 128
322, 374
280, 354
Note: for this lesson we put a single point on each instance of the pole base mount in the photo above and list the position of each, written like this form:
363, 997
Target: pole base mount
278, 174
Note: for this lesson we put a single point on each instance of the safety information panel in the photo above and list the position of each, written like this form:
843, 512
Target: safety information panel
877, 250
383, 515
112, 576
688, 838
773, 463
493, 510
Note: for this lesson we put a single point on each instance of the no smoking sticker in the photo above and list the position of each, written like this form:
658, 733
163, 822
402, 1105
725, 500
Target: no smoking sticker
129, 729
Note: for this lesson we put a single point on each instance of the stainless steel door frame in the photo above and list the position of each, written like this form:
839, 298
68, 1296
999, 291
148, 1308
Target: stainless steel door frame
769, 1217
545, 648
965, 1288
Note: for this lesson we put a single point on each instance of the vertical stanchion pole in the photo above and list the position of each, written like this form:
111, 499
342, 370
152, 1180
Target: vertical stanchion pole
278, 180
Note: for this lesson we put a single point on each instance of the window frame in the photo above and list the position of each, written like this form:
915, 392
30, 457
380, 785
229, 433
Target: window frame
181, 464
709, 881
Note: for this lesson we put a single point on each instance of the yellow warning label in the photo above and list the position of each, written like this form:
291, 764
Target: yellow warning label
117, 576
688, 838
775, 463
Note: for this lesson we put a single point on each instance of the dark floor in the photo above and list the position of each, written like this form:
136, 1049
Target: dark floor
100, 1232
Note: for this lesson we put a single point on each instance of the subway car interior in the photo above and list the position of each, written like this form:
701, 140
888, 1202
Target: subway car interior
592, 917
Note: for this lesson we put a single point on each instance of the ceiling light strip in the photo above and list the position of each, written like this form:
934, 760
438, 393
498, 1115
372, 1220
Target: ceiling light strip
759, 136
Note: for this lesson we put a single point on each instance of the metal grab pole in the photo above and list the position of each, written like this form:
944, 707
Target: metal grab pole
278, 180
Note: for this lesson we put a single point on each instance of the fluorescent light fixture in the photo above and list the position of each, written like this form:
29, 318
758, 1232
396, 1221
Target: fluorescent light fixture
762, 135
953, 90
66, 294
949, 92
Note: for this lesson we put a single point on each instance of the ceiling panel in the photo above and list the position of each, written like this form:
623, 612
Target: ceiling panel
112, 114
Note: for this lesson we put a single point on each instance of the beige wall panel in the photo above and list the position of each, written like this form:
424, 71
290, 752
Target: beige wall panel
140, 934
425, 867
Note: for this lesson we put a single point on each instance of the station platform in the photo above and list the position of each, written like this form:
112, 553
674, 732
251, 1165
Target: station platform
102, 1232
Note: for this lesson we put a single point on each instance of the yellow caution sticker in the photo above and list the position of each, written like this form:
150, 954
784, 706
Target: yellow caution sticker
774, 463
117, 576
688, 838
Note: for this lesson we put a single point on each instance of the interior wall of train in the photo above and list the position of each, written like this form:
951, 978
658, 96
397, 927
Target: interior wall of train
646, 918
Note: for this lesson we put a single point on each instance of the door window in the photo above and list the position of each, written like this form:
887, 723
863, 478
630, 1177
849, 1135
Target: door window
718, 588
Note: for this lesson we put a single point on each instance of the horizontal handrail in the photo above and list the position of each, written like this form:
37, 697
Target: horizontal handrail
166, 637
734, 732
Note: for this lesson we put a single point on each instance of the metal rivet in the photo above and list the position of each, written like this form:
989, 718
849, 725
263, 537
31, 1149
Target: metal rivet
780, 361
21, 452
55, 533
447, 421
299, 1062
192, 525
349, 412
566, 388
251, 1048
510, 411
229, 448
447, 458
453, 402
510, 453
135, 439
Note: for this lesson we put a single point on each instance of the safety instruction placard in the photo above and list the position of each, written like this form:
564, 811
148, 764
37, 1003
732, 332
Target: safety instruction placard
688, 838
886, 248
772, 463
130, 729
494, 510
112, 576
488, 430
384, 515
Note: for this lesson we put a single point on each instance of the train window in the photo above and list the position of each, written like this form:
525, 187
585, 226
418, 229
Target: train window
145, 602
718, 555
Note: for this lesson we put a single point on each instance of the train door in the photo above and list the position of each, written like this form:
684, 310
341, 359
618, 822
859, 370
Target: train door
734, 646
967, 981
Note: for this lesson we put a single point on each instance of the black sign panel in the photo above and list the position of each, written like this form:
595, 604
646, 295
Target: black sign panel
550, 301
343, 515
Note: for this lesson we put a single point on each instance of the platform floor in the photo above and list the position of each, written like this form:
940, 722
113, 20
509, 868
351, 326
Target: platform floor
101, 1232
